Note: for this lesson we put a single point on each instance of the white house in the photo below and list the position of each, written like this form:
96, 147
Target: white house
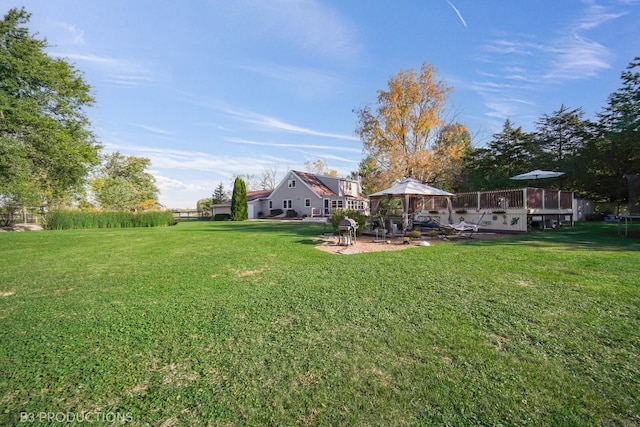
309, 195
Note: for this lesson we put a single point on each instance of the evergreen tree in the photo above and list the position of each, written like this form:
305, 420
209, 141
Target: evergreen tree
239, 210
509, 153
615, 151
558, 140
219, 195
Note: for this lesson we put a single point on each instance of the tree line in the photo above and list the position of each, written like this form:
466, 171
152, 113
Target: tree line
406, 133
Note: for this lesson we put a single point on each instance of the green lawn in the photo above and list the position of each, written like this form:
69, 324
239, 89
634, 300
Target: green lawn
248, 324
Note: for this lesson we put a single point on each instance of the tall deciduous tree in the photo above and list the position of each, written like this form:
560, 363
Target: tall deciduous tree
124, 184
400, 132
268, 179
239, 209
320, 168
46, 146
452, 145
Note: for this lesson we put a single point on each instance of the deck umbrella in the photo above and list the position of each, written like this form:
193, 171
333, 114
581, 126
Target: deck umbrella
537, 174
405, 189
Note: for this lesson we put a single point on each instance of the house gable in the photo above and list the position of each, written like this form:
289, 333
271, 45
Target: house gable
309, 195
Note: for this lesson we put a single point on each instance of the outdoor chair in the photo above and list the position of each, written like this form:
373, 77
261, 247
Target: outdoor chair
464, 229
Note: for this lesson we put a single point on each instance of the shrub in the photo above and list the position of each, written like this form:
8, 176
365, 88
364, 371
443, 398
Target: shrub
222, 217
276, 212
291, 213
414, 234
73, 219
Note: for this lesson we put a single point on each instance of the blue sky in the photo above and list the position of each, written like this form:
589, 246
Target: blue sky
208, 89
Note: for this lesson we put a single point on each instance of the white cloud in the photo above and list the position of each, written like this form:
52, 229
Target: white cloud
77, 34
196, 161
152, 129
309, 25
285, 145
262, 121
118, 71
165, 183
272, 123
455, 9
571, 55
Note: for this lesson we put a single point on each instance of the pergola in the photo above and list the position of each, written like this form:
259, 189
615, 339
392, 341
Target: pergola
405, 190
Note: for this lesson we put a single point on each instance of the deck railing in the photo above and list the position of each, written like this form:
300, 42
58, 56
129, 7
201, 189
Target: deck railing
527, 198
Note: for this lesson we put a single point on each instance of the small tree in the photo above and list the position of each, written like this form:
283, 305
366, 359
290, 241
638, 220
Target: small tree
219, 195
239, 210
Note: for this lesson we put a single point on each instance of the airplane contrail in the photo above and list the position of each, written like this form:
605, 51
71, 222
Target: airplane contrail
455, 9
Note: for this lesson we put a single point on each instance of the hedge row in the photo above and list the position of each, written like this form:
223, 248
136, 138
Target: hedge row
67, 219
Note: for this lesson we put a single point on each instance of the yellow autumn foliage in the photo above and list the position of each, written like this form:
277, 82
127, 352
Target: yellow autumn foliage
406, 135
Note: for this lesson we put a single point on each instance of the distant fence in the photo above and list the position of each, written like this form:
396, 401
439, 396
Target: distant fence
26, 215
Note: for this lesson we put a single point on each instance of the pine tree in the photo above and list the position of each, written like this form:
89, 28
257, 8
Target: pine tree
239, 211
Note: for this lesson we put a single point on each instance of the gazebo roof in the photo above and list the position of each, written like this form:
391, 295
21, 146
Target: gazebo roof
411, 187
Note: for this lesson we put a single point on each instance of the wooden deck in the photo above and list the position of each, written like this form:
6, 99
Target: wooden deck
514, 210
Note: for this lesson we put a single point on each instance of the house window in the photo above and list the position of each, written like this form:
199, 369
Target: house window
270, 204
286, 204
292, 183
307, 202
356, 205
337, 204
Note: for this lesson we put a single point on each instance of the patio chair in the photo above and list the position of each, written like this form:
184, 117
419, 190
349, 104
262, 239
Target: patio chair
465, 229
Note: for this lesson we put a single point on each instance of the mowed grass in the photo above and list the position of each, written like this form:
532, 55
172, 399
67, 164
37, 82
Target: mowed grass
225, 323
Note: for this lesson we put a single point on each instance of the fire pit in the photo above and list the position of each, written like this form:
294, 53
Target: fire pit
347, 228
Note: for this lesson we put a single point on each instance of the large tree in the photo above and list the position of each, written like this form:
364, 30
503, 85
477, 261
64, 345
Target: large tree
123, 184
46, 146
399, 133
615, 149
452, 145
559, 139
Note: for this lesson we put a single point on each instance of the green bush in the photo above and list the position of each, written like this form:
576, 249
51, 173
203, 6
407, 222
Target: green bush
72, 219
339, 214
222, 217
276, 212
414, 234
291, 213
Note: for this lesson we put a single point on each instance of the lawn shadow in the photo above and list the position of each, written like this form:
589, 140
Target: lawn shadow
266, 227
594, 236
